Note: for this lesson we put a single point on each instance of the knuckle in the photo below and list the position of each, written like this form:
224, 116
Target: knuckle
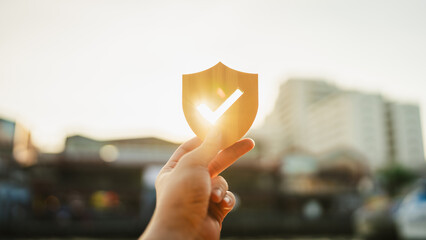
234, 153
231, 196
220, 182
223, 182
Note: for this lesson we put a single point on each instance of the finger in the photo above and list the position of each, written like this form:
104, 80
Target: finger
219, 188
220, 210
216, 212
228, 156
228, 203
180, 151
203, 154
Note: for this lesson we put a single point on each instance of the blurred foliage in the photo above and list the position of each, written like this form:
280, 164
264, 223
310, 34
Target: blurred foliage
394, 177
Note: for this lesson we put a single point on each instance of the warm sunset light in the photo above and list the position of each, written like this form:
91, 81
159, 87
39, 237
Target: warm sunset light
309, 115
59, 62
211, 116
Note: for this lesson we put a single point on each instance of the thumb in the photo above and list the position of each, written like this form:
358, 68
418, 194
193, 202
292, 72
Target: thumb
206, 151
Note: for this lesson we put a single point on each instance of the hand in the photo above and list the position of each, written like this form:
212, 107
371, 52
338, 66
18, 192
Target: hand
192, 200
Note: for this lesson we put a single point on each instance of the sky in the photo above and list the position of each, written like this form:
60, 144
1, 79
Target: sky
113, 69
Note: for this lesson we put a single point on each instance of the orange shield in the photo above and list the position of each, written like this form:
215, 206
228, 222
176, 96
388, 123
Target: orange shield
220, 97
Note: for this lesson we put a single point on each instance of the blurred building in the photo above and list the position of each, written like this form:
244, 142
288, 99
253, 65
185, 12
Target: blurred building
405, 134
16, 154
16, 148
349, 120
7, 130
137, 152
319, 117
286, 127
24, 151
92, 187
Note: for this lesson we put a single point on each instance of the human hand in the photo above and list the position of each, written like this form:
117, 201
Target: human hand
192, 200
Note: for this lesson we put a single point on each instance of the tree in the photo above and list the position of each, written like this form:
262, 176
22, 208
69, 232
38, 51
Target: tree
394, 177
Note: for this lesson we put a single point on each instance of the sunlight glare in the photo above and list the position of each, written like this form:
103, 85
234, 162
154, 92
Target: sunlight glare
211, 116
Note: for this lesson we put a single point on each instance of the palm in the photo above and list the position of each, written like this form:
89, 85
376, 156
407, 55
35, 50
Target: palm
192, 200
210, 225
210, 228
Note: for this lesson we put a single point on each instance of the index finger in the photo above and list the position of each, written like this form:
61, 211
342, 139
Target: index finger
228, 156
180, 151
203, 154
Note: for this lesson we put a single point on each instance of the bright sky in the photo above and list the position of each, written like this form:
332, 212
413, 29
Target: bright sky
111, 69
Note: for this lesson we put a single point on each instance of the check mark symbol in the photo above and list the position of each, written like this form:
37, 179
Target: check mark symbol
211, 116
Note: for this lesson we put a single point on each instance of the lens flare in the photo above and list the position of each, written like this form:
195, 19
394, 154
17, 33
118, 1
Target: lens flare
109, 153
211, 116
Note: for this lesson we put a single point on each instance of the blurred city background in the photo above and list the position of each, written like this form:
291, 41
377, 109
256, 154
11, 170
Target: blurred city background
90, 110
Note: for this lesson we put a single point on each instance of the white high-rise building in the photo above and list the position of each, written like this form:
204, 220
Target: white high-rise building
405, 137
318, 117
286, 126
349, 120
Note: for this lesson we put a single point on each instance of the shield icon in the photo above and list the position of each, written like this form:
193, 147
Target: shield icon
222, 98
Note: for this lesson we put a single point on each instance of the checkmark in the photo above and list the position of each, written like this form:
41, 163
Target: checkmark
211, 116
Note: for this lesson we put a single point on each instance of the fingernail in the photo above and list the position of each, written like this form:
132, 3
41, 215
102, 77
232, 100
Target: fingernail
227, 200
217, 193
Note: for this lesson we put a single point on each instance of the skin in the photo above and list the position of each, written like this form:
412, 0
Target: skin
192, 200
